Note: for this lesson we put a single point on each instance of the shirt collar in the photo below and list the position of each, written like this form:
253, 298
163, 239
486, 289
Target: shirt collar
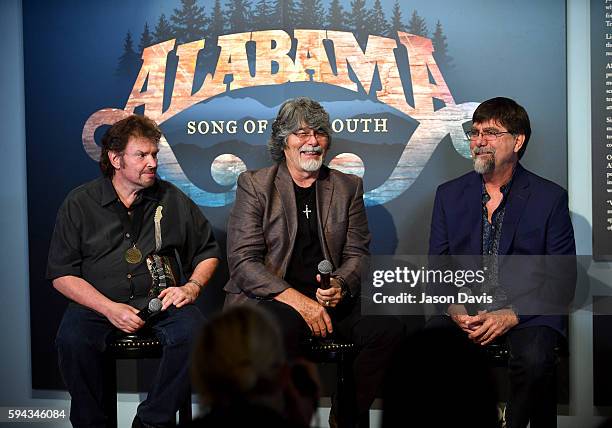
109, 194
505, 188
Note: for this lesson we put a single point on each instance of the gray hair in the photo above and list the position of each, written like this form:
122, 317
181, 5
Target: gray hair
293, 115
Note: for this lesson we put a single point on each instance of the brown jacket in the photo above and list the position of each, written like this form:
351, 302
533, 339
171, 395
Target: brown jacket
262, 227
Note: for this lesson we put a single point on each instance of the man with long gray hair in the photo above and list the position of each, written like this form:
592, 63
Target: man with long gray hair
286, 220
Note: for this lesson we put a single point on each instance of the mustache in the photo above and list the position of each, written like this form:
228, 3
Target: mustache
311, 149
483, 150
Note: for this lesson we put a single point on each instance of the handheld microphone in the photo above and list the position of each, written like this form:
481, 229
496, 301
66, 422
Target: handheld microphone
325, 268
152, 308
471, 308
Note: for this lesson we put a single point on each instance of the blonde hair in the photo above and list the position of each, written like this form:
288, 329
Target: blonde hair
239, 354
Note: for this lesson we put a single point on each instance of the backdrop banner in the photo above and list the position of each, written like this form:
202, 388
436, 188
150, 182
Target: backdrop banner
400, 81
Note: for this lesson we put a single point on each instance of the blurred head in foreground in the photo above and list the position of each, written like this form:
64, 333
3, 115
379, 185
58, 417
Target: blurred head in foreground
239, 362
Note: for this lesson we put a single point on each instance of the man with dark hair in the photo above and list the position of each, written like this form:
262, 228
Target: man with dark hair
289, 217
119, 242
502, 210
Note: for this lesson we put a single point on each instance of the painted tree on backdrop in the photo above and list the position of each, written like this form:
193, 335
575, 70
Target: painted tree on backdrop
397, 23
378, 23
443, 59
216, 21
357, 20
336, 17
146, 39
417, 25
286, 14
239, 14
189, 22
163, 30
312, 14
263, 16
129, 61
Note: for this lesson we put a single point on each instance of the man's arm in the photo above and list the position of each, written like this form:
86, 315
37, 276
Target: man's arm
189, 292
199, 255
80, 291
356, 247
247, 246
438, 234
439, 247
560, 243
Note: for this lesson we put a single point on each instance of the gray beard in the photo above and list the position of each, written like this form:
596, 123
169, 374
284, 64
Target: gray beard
484, 165
311, 165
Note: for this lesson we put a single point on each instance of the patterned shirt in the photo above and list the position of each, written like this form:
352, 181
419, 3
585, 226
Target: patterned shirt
491, 235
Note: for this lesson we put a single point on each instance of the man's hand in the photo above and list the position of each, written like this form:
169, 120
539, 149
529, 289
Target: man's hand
459, 315
332, 296
314, 314
492, 325
179, 296
123, 317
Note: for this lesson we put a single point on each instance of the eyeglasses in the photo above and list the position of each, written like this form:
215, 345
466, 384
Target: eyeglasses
486, 135
304, 136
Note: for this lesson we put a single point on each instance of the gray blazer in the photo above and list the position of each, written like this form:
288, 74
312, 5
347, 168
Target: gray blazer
262, 228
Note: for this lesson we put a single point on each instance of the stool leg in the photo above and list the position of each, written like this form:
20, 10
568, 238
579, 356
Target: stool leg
345, 418
110, 391
185, 410
345, 401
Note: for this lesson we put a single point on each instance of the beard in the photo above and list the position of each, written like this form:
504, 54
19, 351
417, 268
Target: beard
311, 165
483, 165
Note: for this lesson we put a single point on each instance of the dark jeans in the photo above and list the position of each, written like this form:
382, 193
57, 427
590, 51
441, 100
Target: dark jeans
531, 371
81, 342
376, 338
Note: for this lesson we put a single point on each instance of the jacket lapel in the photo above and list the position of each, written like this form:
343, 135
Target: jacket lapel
473, 198
325, 190
517, 199
284, 186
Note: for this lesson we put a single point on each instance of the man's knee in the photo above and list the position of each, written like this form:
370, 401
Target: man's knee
181, 325
77, 333
535, 359
379, 331
533, 366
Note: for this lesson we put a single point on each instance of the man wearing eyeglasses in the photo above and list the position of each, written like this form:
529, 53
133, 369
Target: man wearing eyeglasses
498, 210
289, 217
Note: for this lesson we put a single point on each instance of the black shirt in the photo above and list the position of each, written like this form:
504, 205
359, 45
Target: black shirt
89, 240
307, 253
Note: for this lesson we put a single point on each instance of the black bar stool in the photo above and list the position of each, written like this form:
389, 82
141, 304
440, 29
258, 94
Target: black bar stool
142, 344
342, 354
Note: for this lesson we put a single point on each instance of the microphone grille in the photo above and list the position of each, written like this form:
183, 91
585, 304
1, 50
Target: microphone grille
325, 267
155, 305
